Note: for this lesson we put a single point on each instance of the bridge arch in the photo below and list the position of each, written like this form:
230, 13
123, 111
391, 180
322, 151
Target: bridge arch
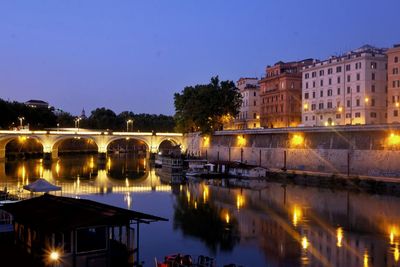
167, 144
144, 141
4, 142
57, 142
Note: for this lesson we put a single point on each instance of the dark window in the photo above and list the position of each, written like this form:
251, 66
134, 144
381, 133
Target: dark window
348, 78
373, 102
306, 85
330, 81
374, 65
357, 115
358, 76
395, 113
348, 67
321, 73
396, 59
373, 76
338, 69
373, 114
330, 71
338, 79
358, 88
373, 88
348, 90
321, 83
357, 102
313, 94
338, 116
90, 239
306, 96
330, 92
329, 104
321, 93
338, 91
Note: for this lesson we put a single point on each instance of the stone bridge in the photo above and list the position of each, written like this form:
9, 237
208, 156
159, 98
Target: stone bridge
51, 140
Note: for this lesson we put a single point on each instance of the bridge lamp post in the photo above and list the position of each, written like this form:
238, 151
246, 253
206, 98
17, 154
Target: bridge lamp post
127, 124
20, 121
77, 123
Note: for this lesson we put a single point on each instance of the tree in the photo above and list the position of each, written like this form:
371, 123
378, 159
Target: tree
102, 118
204, 106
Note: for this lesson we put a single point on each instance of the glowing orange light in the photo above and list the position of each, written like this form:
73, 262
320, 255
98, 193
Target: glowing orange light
297, 140
340, 109
304, 242
239, 201
206, 141
241, 140
297, 214
339, 236
54, 256
394, 139
227, 218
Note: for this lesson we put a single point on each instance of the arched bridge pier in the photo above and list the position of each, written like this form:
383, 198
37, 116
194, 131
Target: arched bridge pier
51, 140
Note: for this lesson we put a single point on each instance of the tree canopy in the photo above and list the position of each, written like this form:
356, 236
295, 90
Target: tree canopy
203, 107
100, 118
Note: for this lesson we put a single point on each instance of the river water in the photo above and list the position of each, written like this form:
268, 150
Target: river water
269, 225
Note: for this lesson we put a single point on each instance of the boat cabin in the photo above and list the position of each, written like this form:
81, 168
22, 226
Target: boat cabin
62, 231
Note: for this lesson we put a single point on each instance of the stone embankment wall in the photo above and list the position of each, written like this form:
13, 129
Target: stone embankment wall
359, 150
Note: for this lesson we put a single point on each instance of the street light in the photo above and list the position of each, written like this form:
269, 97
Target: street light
77, 122
20, 121
127, 124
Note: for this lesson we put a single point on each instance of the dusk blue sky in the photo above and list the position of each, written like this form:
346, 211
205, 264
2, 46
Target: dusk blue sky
134, 55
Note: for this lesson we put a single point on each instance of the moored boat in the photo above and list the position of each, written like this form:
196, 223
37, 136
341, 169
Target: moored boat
180, 260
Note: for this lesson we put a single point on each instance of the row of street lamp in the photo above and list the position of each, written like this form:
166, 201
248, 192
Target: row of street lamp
77, 120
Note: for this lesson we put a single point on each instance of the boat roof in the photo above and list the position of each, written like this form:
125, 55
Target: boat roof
55, 213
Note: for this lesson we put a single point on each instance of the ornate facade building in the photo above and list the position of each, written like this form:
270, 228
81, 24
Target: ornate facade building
281, 94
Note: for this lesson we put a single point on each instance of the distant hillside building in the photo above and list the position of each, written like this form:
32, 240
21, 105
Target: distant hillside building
249, 115
280, 92
33, 103
393, 84
348, 89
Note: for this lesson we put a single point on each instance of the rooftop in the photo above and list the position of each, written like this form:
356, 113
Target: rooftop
54, 213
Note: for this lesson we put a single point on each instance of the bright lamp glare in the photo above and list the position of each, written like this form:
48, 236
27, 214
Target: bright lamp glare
54, 256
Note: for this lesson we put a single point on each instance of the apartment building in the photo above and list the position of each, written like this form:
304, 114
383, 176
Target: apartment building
249, 115
347, 89
393, 55
281, 94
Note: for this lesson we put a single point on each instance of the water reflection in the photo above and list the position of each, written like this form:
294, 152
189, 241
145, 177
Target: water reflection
82, 175
198, 217
275, 226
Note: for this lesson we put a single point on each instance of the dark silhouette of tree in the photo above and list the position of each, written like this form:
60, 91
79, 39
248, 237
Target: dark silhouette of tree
202, 107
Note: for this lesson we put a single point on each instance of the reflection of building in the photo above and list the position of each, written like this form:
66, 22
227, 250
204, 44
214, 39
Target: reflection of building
249, 115
393, 84
281, 94
33, 103
349, 89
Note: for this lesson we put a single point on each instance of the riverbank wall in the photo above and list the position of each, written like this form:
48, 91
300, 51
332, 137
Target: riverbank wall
372, 150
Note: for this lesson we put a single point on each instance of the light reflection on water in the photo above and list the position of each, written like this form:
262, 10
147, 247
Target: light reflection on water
274, 226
